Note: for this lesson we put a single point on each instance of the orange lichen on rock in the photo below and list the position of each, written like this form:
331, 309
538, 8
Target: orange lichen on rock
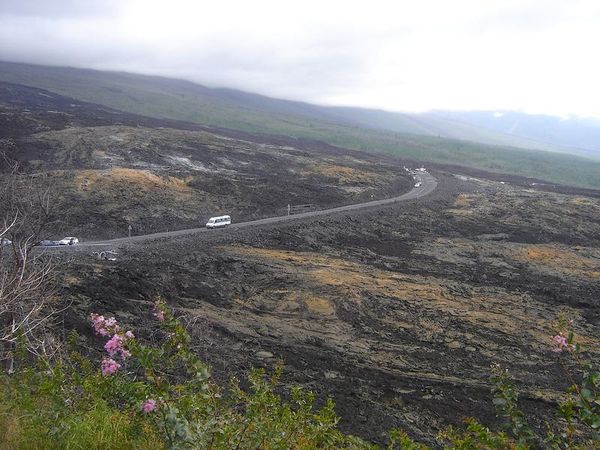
319, 305
330, 278
464, 201
463, 205
141, 178
580, 261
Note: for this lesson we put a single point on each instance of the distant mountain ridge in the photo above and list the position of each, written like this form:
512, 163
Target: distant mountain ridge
579, 135
422, 137
184, 100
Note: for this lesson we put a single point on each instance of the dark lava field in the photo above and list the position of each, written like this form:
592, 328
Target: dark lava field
108, 170
395, 312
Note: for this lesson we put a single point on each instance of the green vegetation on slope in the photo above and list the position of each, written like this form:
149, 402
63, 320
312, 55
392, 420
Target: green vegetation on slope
163, 397
182, 100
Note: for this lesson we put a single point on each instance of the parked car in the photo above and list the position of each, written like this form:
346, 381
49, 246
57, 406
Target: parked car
217, 222
69, 240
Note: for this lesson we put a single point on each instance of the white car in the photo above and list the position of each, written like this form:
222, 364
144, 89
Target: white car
69, 240
217, 222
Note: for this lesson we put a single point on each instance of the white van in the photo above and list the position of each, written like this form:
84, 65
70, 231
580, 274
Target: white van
220, 221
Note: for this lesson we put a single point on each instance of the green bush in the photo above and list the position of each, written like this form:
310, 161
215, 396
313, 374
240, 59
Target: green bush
163, 397
156, 397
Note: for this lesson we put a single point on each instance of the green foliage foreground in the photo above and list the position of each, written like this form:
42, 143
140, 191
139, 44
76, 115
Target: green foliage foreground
163, 397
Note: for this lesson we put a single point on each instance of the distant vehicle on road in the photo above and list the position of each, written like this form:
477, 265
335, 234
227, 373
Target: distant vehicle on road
4, 241
69, 240
418, 184
217, 222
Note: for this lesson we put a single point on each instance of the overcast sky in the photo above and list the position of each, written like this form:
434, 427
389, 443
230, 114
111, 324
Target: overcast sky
538, 56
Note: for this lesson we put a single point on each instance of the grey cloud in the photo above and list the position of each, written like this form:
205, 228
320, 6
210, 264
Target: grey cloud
393, 64
58, 8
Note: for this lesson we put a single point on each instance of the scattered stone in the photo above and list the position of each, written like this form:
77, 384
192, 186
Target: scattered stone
406, 391
264, 354
455, 344
331, 374
493, 237
509, 275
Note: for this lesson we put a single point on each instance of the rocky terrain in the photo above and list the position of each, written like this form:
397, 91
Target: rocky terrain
109, 170
396, 312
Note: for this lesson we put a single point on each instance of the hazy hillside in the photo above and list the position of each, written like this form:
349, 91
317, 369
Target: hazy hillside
346, 127
422, 124
581, 135
183, 100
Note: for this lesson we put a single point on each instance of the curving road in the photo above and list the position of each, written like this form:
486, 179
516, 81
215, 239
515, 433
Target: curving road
428, 185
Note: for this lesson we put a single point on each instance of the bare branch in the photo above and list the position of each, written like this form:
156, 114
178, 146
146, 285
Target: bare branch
25, 278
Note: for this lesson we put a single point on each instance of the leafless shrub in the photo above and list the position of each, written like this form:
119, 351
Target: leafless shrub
25, 274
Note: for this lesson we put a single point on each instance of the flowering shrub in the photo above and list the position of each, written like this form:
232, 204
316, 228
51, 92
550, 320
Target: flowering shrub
149, 406
162, 397
560, 343
102, 326
109, 366
581, 409
159, 312
577, 420
142, 396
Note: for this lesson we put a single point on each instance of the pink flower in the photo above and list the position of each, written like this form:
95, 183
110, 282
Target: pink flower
102, 326
96, 318
129, 335
149, 406
159, 310
160, 316
98, 322
111, 325
109, 366
559, 343
114, 345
